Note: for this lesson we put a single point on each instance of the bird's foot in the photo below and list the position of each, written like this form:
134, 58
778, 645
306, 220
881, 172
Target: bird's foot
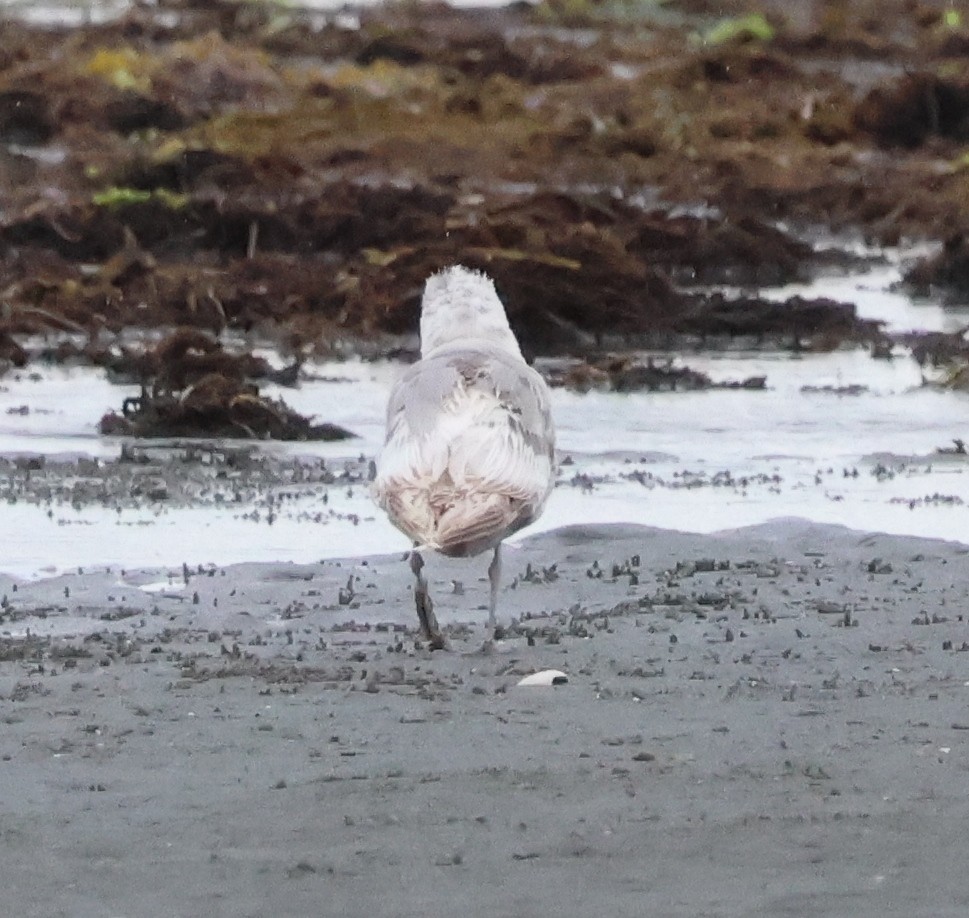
435, 640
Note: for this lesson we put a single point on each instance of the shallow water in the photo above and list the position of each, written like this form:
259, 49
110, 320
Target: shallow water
64, 12
80, 12
696, 461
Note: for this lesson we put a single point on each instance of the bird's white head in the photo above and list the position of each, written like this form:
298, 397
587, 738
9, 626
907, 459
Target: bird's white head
461, 305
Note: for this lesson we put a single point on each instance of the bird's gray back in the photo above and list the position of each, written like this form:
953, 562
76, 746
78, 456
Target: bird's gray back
428, 384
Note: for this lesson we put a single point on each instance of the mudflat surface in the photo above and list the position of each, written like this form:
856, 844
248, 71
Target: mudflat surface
764, 722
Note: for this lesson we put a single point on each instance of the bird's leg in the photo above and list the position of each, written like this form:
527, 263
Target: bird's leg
494, 575
422, 600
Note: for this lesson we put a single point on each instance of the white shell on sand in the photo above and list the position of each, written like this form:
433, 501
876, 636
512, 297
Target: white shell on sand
545, 677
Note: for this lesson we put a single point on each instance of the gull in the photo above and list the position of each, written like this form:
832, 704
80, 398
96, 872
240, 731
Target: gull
469, 455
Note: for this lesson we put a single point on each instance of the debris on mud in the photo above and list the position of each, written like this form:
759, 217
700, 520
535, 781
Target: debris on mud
215, 405
191, 386
916, 108
624, 373
185, 356
937, 350
12, 354
958, 448
956, 376
797, 323
946, 272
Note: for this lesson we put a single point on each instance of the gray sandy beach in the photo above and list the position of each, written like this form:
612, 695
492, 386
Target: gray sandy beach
763, 722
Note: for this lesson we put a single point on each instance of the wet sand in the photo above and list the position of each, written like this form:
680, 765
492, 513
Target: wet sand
768, 721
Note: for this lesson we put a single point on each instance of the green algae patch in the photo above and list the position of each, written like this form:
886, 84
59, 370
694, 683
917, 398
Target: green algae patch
115, 198
123, 68
752, 27
960, 163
